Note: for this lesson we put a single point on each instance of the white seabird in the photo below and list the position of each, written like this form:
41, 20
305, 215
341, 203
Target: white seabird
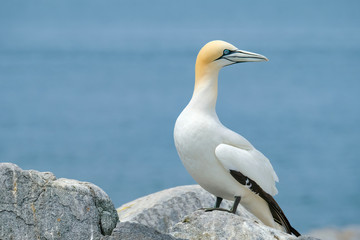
223, 162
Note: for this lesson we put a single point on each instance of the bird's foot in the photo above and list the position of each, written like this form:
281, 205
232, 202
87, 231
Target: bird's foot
215, 209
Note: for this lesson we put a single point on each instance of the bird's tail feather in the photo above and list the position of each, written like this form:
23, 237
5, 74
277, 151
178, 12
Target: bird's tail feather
280, 217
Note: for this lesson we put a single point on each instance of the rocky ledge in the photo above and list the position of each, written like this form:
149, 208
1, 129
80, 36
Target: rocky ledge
36, 205
175, 213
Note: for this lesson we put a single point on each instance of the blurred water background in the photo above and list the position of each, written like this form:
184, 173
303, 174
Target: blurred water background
90, 90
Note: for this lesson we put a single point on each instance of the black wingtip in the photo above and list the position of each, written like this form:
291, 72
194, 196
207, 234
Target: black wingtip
293, 231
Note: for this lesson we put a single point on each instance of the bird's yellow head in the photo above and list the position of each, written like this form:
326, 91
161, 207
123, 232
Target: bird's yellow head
219, 54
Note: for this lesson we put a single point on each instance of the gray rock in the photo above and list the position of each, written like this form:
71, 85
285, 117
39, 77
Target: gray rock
164, 209
136, 231
347, 233
36, 205
223, 225
308, 237
166, 212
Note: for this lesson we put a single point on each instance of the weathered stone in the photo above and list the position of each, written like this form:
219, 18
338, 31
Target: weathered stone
136, 231
167, 211
164, 209
36, 205
347, 233
223, 225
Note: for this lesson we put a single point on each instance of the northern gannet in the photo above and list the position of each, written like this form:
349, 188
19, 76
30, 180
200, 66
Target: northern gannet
223, 162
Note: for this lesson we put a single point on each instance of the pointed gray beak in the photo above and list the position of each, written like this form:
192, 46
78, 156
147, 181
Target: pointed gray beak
238, 56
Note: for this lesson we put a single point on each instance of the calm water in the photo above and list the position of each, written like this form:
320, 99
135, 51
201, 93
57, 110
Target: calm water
91, 90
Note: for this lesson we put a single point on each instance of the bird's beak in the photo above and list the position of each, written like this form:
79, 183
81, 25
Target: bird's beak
239, 56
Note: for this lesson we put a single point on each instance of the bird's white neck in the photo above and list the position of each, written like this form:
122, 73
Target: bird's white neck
206, 88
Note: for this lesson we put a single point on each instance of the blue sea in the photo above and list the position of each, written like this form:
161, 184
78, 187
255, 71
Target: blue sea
90, 90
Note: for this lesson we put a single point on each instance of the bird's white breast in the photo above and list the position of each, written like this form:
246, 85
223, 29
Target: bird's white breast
196, 135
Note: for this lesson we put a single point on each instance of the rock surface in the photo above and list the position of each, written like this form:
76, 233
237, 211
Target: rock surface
348, 233
224, 225
136, 231
166, 212
36, 205
164, 209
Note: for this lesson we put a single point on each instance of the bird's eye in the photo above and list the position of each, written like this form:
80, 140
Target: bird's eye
226, 52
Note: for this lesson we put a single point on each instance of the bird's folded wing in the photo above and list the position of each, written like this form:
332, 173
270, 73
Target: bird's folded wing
276, 212
251, 163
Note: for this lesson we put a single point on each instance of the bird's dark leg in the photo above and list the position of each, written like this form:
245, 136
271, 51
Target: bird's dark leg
236, 203
217, 205
218, 202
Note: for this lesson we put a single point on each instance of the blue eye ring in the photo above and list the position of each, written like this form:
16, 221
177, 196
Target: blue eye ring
226, 52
